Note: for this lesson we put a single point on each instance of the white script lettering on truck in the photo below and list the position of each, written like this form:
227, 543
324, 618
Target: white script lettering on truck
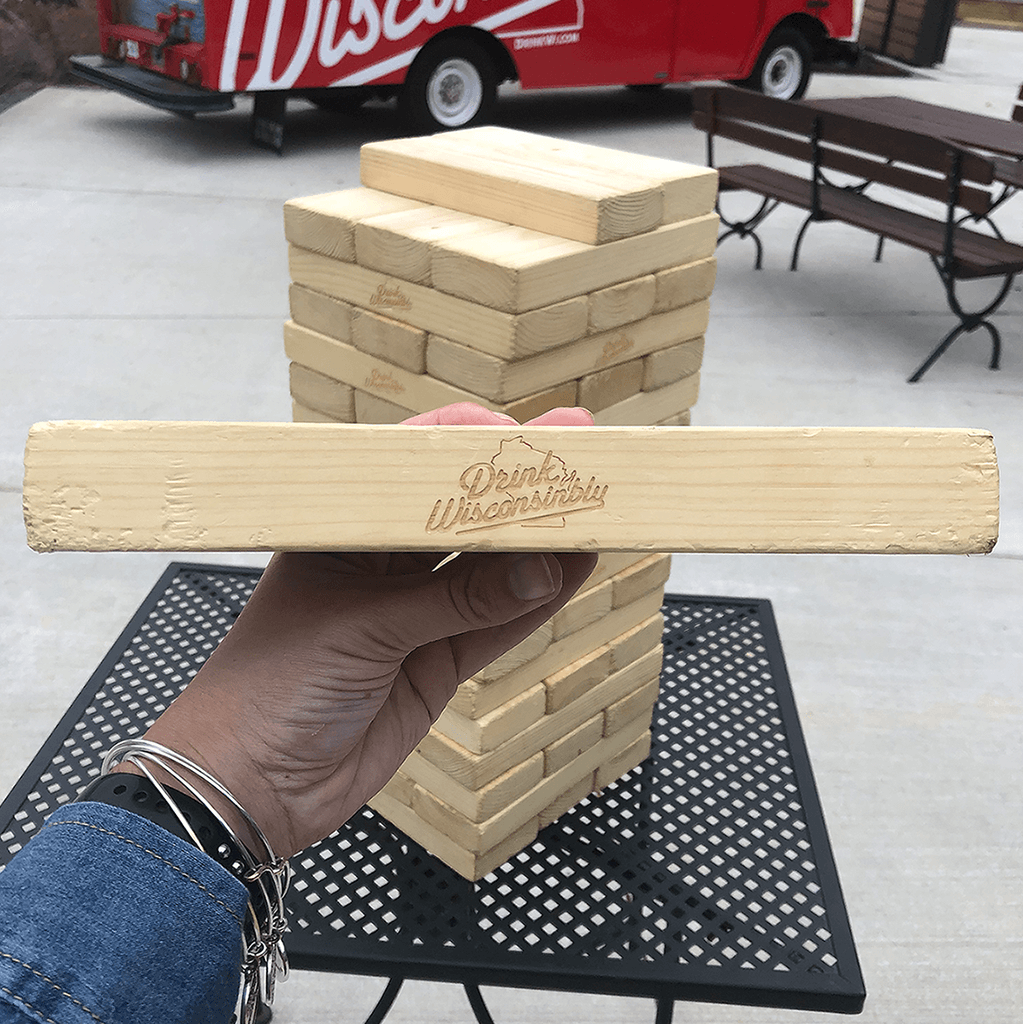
371, 25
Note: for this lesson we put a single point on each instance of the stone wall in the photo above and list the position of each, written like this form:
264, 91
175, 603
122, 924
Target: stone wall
37, 37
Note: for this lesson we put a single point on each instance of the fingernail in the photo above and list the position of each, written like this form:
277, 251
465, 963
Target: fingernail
530, 579
510, 420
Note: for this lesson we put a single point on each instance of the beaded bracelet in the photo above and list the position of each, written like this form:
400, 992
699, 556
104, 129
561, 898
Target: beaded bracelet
197, 821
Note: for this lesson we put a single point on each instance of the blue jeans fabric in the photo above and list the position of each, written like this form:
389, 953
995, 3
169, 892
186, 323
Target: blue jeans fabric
106, 918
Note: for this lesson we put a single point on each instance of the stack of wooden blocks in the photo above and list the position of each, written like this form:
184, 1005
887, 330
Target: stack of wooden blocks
521, 273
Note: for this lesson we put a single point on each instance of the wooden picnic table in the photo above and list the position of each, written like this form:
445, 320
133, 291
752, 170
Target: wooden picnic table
991, 135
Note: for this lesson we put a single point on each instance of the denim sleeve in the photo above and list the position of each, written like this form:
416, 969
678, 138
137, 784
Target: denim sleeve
106, 917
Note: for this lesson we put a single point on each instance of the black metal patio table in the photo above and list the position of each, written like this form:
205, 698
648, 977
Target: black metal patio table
705, 874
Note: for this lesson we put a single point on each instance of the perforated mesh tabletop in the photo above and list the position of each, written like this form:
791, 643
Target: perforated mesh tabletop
704, 874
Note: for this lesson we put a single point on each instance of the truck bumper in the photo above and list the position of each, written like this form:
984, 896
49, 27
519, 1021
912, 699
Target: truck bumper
149, 87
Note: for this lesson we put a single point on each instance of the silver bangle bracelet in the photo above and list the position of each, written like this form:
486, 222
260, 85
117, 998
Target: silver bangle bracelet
265, 958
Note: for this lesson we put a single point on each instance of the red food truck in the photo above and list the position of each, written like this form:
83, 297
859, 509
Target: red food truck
444, 59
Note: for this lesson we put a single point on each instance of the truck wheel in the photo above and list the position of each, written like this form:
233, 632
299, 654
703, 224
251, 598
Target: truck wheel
450, 85
783, 68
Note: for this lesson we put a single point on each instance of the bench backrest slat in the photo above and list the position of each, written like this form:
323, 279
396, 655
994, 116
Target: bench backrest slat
783, 127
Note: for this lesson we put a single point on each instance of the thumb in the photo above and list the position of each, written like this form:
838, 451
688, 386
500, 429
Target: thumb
476, 592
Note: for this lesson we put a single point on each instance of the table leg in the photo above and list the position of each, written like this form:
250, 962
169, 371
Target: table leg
479, 1008
385, 1001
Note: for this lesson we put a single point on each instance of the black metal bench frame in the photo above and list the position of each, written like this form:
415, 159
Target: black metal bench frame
872, 154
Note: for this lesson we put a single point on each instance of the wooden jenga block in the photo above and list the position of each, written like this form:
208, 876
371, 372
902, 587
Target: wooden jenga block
651, 406
567, 188
678, 286
374, 409
321, 313
499, 726
631, 757
358, 369
475, 698
388, 339
469, 865
566, 684
682, 419
608, 563
639, 702
532, 197
415, 391
326, 223
399, 244
564, 803
585, 608
556, 397
688, 190
601, 390
504, 335
518, 270
620, 304
639, 579
303, 414
502, 380
317, 391
477, 837
668, 365
637, 641
304, 486
522, 653
483, 803
476, 770
565, 750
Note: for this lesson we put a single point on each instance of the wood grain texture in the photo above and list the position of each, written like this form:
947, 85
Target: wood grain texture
601, 390
326, 223
590, 207
112, 485
680, 285
687, 190
518, 270
321, 313
622, 303
399, 244
372, 409
479, 804
388, 339
672, 364
317, 391
504, 335
472, 866
652, 406
303, 414
477, 837
467, 366
359, 369
587, 193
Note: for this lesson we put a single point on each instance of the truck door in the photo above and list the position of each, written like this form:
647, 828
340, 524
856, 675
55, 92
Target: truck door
715, 39
603, 42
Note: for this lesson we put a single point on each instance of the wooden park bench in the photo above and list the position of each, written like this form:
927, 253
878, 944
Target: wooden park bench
911, 165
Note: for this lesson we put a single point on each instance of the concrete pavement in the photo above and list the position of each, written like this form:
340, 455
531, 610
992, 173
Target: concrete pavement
143, 275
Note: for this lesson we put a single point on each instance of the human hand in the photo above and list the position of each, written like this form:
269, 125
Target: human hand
340, 663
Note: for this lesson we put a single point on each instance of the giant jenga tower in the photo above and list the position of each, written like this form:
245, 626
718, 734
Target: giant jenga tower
522, 273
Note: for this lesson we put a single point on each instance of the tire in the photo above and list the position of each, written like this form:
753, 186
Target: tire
451, 84
783, 67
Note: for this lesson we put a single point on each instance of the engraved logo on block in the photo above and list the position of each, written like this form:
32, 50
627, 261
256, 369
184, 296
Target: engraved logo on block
614, 348
519, 486
381, 380
390, 298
